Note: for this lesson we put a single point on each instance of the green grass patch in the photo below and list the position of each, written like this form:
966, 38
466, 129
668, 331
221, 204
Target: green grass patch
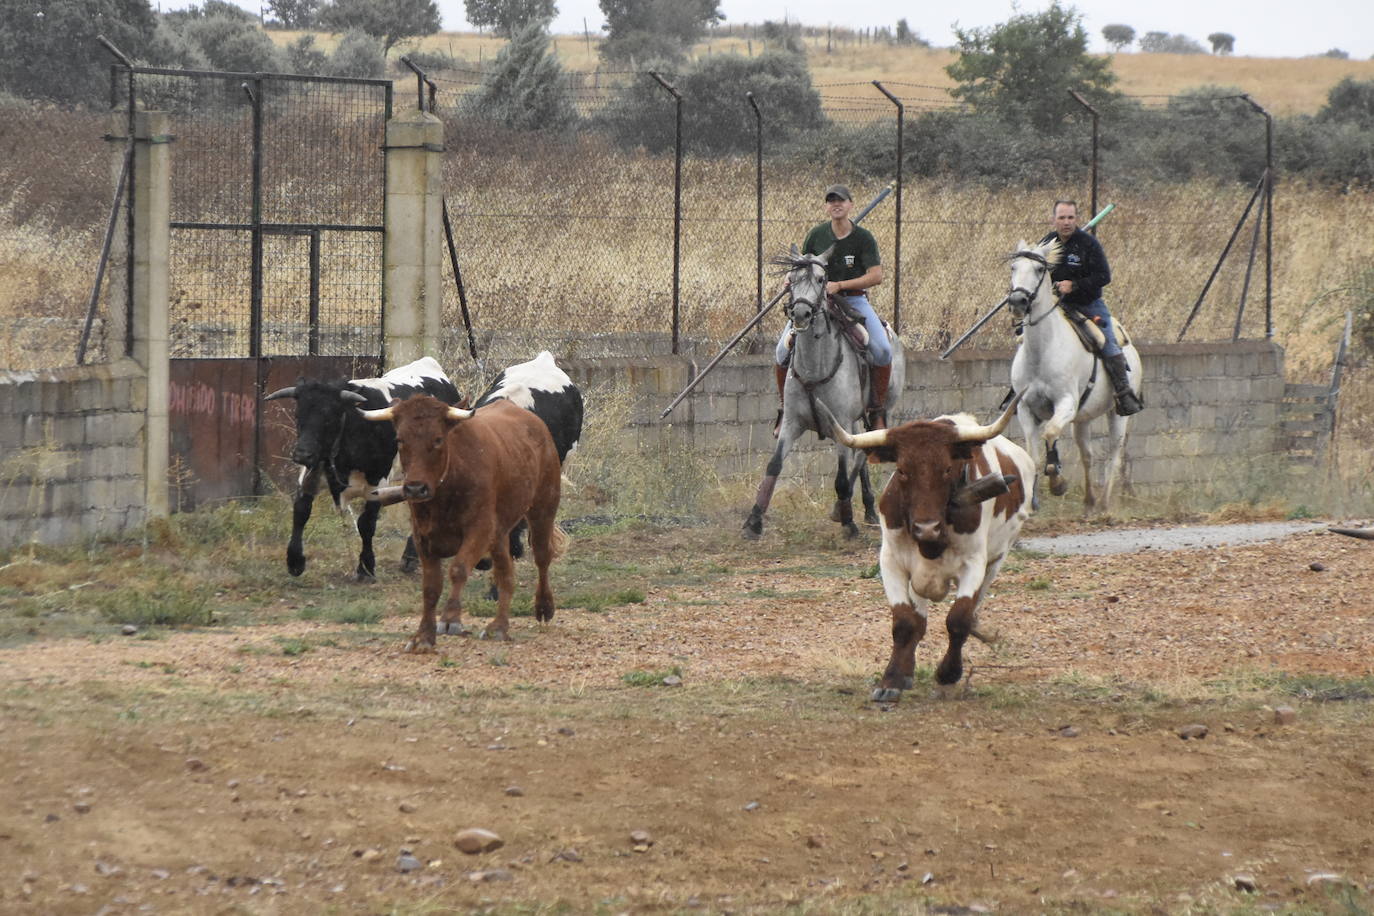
649, 678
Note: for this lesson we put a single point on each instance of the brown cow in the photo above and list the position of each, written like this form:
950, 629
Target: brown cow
470, 477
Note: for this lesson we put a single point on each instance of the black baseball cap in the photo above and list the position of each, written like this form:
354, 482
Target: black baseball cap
838, 190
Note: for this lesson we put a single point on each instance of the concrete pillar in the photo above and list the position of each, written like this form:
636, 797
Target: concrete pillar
412, 246
148, 316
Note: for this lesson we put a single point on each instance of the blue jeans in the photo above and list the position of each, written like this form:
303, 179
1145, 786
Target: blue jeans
879, 347
1098, 310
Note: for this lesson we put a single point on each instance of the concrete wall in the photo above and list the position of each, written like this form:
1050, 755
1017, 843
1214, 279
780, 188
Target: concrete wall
72, 452
1207, 404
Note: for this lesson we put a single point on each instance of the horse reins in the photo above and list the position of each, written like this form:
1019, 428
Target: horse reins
1031, 294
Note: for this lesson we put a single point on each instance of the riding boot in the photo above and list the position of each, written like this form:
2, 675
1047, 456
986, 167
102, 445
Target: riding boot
781, 373
1127, 402
875, 417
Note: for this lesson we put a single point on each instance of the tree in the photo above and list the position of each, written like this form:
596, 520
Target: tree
506, 17
905, 36
683, 20
232, 43
1222, 42
1118, 36
1164, 43
389, 21
48, 48
526, 89
1350, 101
295, 14
358, 55
1022, 70
1337, 54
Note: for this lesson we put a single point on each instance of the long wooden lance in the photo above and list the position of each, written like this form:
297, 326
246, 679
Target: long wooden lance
877, 199
977, 325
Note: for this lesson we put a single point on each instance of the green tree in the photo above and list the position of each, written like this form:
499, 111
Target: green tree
683, 19
1164, 43
358, 54
506, 17
295, 14
232, 43
1222, 42
1118, 36
48, 48
1337, 54
905, 36
302, 56
1350, 101
526, 88
389, 21
1022, 70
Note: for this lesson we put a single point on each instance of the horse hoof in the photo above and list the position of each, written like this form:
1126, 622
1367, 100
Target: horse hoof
870, 517
295, 567
362, 577
1059, 486
851, 530
886, 695
835, 514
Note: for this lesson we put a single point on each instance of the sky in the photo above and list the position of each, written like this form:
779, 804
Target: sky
1274, 29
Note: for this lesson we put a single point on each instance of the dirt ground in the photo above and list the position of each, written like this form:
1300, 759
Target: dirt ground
211, 772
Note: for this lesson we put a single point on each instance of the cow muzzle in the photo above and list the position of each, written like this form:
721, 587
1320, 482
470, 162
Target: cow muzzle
417, 491
304, 457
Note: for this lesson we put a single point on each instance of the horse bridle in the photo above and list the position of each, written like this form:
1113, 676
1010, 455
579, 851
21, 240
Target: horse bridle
1031, 294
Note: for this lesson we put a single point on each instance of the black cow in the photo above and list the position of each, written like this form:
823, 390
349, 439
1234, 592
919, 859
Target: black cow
353, 456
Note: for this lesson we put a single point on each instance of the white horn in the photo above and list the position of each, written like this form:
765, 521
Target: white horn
458, 413
984, 433
863, 440
384, 413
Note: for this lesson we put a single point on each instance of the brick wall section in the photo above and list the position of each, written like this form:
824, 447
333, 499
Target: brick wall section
71, 452
1206, 404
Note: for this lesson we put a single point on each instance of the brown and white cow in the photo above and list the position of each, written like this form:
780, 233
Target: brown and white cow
950, 514
470, 477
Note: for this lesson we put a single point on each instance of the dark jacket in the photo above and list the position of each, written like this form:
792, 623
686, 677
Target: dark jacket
1085, 263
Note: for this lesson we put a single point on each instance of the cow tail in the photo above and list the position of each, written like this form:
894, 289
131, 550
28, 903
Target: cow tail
558, 543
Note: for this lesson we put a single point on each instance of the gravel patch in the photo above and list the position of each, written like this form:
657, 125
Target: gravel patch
1195, 537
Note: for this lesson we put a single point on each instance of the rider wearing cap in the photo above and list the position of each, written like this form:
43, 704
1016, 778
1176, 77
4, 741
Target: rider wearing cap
1078, 279
852, 269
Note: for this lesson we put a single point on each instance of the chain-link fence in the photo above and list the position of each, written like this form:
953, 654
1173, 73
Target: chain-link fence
575, 236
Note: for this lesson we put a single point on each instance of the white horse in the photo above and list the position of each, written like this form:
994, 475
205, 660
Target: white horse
1059, 380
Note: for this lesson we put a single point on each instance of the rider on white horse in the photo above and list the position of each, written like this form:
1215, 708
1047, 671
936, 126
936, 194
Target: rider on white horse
851, 270
1081, 274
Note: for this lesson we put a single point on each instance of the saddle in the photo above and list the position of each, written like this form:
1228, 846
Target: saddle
1090, 334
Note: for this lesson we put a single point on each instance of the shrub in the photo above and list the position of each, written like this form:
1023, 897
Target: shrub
303, 57
358, 55
526, 89
233, 44
1350, 101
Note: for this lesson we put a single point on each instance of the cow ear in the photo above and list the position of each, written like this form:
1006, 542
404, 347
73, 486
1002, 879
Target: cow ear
963, 451
882, 454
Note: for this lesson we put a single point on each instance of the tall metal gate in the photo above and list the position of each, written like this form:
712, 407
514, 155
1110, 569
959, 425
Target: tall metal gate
277, 199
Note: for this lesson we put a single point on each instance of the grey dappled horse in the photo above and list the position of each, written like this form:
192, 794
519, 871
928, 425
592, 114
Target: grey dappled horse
1059, 380
824, 369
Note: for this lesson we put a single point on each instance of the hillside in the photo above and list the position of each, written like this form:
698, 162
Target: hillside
1284, 86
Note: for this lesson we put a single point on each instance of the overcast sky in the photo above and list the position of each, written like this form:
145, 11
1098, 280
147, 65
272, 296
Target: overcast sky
1274, 29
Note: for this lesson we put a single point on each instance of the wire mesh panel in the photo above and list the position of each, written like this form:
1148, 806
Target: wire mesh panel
299, 161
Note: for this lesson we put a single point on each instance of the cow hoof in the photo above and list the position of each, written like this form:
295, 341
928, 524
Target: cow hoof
851, 530
1059, 486
752, 530
451, 628
483, 564
886, 695
410, 565
543, 615
364, 578
417, 646
499, 635
870, 517
295, 567
835, 512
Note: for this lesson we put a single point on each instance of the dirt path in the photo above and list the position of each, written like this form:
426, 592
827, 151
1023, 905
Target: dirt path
210, 772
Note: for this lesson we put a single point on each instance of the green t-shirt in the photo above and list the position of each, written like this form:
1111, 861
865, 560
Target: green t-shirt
853, 256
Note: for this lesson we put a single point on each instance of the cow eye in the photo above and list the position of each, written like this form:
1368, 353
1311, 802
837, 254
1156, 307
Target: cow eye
438, 441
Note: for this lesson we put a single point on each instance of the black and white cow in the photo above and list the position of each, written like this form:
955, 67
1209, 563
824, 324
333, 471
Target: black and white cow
544, 390
353, 456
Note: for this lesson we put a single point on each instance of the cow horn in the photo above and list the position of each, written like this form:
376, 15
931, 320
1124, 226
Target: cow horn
863, 440
984, 433
458, 413
1363, 533
383, 413
282, 393
353, 396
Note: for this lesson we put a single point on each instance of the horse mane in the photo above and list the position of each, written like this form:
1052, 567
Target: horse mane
1052, 252
787, 262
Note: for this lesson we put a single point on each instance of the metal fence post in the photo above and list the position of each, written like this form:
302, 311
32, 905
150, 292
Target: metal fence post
1268, 217
758, 198
1093, 167
897, 241
677, 202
